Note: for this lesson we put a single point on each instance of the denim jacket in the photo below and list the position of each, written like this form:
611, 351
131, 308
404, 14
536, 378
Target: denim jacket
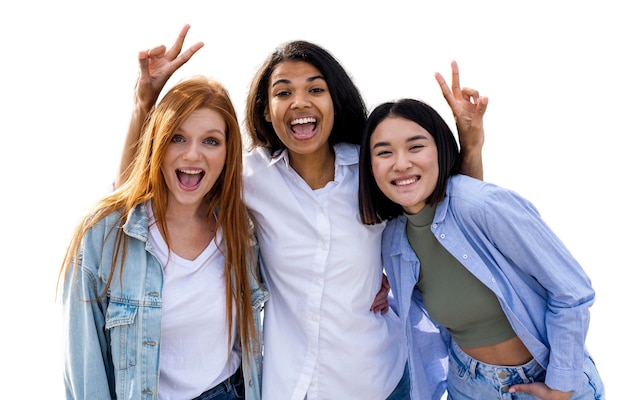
111, 346
502, 240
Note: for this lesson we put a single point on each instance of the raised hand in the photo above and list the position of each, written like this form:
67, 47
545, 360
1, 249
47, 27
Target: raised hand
157, 65
468, 108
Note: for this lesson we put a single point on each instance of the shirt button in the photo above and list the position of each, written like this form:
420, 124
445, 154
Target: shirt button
443, 236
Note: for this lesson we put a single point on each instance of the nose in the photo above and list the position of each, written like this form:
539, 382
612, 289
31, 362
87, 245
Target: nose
192, 151
300, 99
402, 162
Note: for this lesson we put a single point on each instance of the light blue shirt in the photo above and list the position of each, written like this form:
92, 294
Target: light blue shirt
502, 240
111, 346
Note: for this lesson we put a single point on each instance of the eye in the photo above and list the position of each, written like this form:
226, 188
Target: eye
318, 90
382, 153
282, 93
177, 139
416, 147
211, 141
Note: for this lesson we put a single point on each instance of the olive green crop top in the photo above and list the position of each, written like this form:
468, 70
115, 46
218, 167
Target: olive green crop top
454, 297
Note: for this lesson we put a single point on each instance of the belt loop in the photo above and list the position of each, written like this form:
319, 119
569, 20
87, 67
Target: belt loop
522, 374
227, 384
472, 368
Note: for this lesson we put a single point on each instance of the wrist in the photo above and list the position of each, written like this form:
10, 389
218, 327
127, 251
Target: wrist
140, 110
472, 140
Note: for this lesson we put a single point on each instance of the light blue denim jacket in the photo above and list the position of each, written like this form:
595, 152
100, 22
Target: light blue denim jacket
111, 346
502, 240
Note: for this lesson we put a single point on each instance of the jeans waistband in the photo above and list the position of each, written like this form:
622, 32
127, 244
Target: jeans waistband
474, 367
227, 385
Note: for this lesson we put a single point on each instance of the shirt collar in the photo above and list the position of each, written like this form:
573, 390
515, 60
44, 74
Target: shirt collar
345, 154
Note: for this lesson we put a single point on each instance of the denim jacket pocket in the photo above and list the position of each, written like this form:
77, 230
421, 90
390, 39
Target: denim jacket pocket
122, 330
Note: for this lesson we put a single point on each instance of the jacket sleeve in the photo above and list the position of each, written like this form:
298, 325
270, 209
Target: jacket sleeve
536, 253
88, 370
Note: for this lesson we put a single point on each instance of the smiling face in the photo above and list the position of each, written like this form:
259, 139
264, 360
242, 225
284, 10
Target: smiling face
195, 157
300, 107
404, 162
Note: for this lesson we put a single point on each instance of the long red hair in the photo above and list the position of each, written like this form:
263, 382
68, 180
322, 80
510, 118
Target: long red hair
145, 182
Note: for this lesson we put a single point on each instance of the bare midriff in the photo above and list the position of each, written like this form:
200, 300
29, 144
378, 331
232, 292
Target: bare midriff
508, 353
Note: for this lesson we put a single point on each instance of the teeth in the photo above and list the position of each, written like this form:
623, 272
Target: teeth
190, 171
307, 120
405, 181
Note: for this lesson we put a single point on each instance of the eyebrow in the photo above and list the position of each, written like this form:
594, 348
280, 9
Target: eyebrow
411, 139
210, 131
309, 79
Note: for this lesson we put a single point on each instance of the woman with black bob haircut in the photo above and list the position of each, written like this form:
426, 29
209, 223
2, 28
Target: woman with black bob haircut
476, 274
375, 207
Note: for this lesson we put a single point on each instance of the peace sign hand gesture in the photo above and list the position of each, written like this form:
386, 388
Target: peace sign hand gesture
468, 108
157, 65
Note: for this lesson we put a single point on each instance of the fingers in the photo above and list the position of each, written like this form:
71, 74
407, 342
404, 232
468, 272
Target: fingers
473, 96
174, 55
382, 306
178, 43
144, 63
451, 94
385, 283
146, 56
156, 52
186, 56
456, 80
445, 89
539, 390
470, 95
381, 300
482, 105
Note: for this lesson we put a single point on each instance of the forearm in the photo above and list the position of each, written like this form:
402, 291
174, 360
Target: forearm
472, 162
471, 139
472, 153
131, 143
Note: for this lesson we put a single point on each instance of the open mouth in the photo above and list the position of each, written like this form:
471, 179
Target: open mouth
303, 127
189, 177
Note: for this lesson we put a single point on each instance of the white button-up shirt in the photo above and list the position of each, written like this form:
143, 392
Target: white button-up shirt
323, 269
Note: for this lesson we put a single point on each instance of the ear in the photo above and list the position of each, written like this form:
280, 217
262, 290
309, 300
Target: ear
267, 115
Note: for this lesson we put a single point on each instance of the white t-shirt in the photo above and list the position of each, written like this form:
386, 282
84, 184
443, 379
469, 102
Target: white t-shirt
194, 334
323, 269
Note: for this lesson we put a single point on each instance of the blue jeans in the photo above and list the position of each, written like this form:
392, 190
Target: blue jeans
469, 379
403, 389
229, 389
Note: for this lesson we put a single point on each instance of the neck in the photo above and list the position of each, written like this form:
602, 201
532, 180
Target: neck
187, 213
316, 169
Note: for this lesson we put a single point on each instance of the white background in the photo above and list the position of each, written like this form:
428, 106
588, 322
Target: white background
553, 70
